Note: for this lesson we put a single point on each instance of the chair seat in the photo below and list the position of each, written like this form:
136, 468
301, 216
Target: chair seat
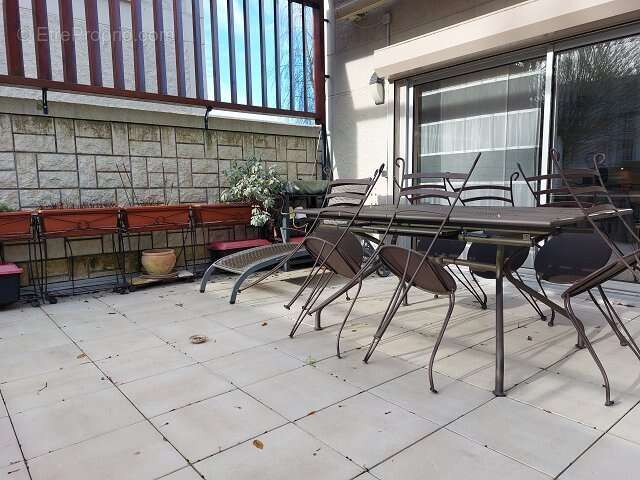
431, 276
482, 253
443, 247
569, 257
346, 255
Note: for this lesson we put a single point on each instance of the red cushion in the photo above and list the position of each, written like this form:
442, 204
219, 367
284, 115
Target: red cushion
296, 239
237, 244
9, 269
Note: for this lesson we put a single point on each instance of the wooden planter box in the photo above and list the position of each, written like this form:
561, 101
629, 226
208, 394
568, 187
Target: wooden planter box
15, 225
222, 214
157, 217
78, 222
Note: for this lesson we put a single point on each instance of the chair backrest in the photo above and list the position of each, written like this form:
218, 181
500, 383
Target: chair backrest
624, 260
347, 193
417, 187
487, 192
350, 192
551, 184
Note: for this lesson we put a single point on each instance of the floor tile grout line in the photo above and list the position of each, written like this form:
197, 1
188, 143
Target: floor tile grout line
293, 422
600, 437
15, 434
440, 427
504, 454
132, 404
354, 349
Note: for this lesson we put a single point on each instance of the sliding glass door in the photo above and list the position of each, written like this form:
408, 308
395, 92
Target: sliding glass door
597, 112
497, 112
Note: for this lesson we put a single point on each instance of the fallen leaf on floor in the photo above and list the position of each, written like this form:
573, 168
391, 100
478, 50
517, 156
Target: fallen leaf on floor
258, 444
530, 338
264, 324
312, 412
82, 355
43, 387
196, 339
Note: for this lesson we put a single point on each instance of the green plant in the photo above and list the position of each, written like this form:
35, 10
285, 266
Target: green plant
256, 183
5, 208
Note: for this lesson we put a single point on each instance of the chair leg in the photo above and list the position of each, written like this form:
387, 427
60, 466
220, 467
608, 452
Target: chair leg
313, 297
315, 269
464, 281
585, 340
531, 301
346, 317
553, 312
631, 343
392, 308
609, 319
484, 294
452, 301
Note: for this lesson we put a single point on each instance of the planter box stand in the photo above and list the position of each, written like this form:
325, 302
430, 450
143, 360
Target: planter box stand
70, 227
18, 227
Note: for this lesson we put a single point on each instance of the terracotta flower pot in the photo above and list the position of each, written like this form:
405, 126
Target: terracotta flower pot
15, 225
222, 213
159, 262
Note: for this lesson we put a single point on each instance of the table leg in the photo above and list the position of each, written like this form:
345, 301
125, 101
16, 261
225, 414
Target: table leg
499, 384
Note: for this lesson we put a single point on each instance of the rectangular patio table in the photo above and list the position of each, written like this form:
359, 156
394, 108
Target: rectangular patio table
507, 226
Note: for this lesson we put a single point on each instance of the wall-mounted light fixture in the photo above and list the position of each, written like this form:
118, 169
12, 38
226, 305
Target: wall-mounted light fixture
376, 88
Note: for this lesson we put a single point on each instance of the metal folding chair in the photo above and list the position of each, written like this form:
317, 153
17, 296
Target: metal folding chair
347, 193
486, 254
334, 249
420, 270
434, 186
620, 262
554, 253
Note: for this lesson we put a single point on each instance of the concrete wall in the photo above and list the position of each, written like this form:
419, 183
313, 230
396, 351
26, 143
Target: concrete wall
74, 155
361, 132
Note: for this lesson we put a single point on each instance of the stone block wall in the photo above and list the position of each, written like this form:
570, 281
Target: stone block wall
48, 159
44, 160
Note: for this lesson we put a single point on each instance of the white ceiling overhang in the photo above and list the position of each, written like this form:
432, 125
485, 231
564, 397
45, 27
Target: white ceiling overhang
493, 32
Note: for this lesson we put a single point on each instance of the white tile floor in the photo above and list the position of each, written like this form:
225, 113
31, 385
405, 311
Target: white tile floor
109, 387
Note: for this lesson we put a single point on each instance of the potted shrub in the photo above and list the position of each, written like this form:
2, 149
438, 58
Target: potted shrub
14, 225
256, 184
221, 213
68, 220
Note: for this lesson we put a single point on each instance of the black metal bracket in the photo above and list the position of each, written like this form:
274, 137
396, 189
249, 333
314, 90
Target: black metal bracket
45, 102
206, 118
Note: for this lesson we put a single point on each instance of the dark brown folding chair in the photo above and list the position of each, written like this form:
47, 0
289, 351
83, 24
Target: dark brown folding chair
486, 253
350, 194
419, 270
333, 247
431, 187
619, 263
567, 256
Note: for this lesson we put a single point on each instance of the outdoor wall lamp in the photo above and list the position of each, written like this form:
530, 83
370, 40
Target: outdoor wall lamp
376, 88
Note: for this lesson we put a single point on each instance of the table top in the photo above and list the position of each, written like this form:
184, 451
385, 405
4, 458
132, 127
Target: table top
522, 218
